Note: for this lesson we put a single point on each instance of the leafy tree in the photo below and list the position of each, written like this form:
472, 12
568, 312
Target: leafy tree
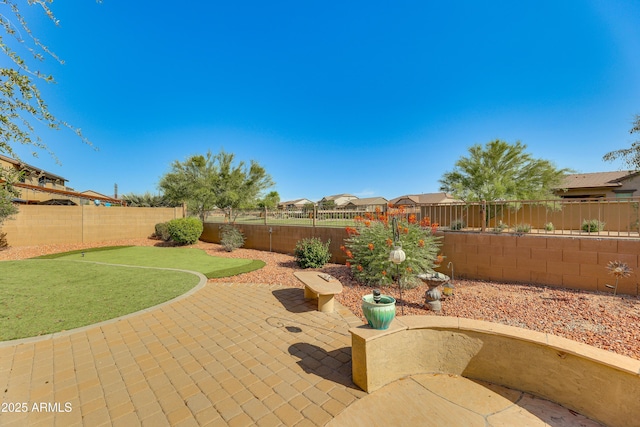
7, 193
21, 104
148, 200
500, 171
205, 182
270, 201
631, 155
327, 205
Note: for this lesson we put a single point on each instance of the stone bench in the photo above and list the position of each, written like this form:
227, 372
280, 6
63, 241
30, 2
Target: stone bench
599, 384
321, 286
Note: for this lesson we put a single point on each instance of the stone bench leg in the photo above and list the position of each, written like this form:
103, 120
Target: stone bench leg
325, 303
309, 294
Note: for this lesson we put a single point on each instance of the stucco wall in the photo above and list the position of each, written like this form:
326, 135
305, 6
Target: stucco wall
42, 224
571, 262
281, 239
599, 384
561, 261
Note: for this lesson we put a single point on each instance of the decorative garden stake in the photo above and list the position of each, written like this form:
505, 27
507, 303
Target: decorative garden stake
618, 269
397, 256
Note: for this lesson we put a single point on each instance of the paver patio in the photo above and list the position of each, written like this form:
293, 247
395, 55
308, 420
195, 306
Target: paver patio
229, 354
232, 354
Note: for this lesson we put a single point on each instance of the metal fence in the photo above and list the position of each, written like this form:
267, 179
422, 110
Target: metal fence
594, 217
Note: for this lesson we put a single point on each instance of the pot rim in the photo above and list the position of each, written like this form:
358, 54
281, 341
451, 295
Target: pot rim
380, 304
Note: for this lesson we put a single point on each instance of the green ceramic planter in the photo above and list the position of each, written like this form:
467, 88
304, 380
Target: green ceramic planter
379, 315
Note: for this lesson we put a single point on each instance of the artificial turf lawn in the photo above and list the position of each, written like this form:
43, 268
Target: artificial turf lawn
149, 256
44, 296
60, 292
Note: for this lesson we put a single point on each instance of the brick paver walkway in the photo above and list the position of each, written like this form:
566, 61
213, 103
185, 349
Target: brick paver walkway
233, 354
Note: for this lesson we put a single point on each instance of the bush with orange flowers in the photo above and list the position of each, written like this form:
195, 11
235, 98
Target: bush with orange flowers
369, 243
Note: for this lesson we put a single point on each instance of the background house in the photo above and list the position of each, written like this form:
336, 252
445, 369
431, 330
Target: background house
336, 201
423, 199
619, 184
37, 186
294, 204
367, 204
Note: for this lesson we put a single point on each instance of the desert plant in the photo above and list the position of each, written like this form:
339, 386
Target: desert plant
500, 227
162, 231
592, 225
231, 238
457, 224
3, 241
312, 253
369, 244
523, 228
185, 231
549, 226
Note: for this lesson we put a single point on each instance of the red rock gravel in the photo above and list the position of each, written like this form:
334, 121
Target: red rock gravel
601, 320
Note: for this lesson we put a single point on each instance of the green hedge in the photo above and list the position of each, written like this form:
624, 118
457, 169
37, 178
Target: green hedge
185, 231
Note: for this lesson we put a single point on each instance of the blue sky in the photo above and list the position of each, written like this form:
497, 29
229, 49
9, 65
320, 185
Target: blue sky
363, 97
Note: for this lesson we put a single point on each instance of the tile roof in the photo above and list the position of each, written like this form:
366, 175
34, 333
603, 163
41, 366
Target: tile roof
22, 166
596, 179
426, 198
368, 201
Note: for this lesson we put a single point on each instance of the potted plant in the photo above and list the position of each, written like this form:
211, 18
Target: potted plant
379, 310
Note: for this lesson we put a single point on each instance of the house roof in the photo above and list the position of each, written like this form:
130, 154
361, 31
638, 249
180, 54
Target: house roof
95, 194
596, 179
295, 202
67, 193
25, 166
368, 201
423, 199
337, 196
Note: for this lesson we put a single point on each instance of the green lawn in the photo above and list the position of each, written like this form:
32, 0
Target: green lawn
42, 296
181, 258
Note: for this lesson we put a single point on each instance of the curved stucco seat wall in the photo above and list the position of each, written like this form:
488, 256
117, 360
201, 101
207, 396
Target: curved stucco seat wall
596, 383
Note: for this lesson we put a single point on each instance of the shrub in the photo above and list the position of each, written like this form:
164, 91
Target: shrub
162, 231
457, 224
523, 228
549, 226
185, 231
3, 241
231, 238
370, 242
312, 253
592, 225
500, 227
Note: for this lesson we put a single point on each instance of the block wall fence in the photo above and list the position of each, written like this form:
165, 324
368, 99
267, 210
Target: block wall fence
558, 261
42, 224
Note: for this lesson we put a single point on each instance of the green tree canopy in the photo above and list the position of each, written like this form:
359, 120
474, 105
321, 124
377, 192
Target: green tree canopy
270, 201
7, 193
502, 171
631, 155
148, 200
21, 105
207, 182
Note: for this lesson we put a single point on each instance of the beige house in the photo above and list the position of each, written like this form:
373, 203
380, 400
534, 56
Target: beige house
423, 199
294, 204
367, 204
340, 200
37, 186
618, 185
